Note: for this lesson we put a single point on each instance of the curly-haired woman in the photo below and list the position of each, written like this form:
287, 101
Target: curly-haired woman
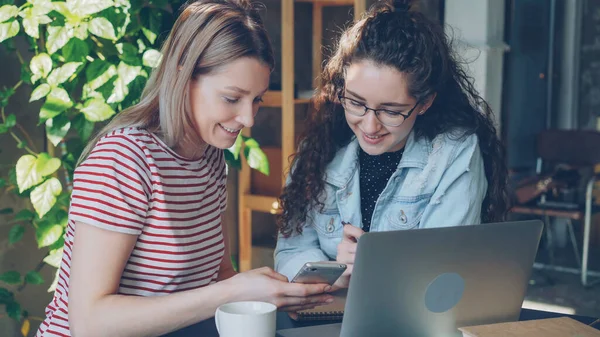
399, 139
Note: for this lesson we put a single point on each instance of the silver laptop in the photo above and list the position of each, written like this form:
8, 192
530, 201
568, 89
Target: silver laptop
430, 282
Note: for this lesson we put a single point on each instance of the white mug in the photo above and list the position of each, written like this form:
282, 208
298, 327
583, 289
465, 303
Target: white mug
246, 319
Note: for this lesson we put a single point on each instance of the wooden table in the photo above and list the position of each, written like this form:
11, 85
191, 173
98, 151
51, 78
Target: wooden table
208, 329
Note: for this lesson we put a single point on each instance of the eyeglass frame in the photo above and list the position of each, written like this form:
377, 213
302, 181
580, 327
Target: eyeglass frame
377, 111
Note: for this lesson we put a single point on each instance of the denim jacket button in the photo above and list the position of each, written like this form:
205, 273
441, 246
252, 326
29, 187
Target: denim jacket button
403, 216
330, 226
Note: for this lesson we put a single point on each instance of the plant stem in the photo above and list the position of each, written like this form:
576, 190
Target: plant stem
20, 57
26, 134
19, 141
17, 85
39, 267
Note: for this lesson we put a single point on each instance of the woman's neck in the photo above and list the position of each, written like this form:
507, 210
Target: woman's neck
191, 149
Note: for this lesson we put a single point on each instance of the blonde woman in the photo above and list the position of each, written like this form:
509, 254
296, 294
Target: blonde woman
146, 251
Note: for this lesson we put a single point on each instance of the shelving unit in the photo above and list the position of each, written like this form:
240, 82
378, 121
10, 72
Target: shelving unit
285, 100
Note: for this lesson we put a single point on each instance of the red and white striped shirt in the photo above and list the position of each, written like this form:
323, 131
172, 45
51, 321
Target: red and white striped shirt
133, 183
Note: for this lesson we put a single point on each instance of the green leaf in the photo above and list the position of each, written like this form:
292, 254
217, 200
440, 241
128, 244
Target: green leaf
75, 50
25, 72
46, 165
96, 68
151, 22
58, 36
103, 28
82, 31
54, 258
135, 89
105, 90
237, 147
96, 110
99, 73
43, 197
6, 296
40, 66
152, 58
40, 92
16, 233
83, 126
8, 12
256, 158
62, 74
48, 234
42, 6
11, 277
127, 74
33, 277
119, 17
27, 175
13, 310
24, 215
231, 161
89, 7
54, 284
58, 244
57, 101
33, 17
2, 183
57, 128
67, 9
250, 142
9, 29
128, 53
11, 120
3, 129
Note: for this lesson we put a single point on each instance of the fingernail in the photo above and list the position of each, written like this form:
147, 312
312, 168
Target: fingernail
329, 300
327, 288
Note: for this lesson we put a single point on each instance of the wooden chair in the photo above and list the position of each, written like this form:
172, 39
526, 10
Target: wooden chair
581, 150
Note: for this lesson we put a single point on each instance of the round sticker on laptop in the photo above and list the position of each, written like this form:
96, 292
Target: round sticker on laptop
444, 292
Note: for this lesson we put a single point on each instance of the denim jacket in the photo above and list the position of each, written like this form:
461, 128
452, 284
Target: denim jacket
438, 183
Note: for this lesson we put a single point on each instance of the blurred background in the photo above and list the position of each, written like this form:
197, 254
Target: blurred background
536, 62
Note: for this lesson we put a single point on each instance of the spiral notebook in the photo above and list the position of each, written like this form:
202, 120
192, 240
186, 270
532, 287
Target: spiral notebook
332, 311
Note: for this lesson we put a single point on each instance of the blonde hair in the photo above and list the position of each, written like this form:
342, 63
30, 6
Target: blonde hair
206, 35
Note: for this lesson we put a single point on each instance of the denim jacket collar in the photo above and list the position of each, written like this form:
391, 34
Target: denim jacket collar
341, 169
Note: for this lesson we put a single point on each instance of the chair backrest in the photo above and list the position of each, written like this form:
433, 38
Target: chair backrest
573, 147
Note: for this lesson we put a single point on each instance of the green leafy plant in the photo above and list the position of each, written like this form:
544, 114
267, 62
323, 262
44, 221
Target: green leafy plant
88, 60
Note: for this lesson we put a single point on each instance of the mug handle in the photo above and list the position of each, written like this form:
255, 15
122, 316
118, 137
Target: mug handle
217, 321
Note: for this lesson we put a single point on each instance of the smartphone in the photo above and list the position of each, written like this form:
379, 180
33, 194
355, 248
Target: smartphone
319, 272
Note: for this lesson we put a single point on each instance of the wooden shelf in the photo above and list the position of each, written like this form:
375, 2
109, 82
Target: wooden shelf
255, 191
330, 2
273, 99
262, 203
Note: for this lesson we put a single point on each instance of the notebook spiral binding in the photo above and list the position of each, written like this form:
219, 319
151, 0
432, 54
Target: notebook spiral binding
321, 316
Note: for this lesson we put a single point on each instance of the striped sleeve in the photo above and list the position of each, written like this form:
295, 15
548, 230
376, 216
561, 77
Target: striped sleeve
222, 182
111, 188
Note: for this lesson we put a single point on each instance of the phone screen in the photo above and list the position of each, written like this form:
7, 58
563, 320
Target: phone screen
320, 273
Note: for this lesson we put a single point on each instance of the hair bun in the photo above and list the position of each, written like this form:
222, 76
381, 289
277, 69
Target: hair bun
401, 5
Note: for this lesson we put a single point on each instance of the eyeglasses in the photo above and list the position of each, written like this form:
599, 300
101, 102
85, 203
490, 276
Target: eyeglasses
386, 117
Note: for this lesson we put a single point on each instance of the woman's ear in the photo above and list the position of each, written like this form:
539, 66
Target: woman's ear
427, 103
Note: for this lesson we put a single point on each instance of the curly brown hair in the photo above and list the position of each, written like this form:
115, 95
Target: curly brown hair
418, 47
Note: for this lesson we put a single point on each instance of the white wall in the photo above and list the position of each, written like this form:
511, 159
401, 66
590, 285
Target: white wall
477, 28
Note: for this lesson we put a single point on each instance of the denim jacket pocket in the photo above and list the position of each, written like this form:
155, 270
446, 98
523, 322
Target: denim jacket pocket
406, 214
327, 223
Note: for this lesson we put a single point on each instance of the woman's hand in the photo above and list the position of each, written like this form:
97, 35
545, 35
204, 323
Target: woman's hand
264, 284
346, 251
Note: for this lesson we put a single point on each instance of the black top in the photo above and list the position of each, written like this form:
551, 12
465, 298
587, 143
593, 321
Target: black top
375, 171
